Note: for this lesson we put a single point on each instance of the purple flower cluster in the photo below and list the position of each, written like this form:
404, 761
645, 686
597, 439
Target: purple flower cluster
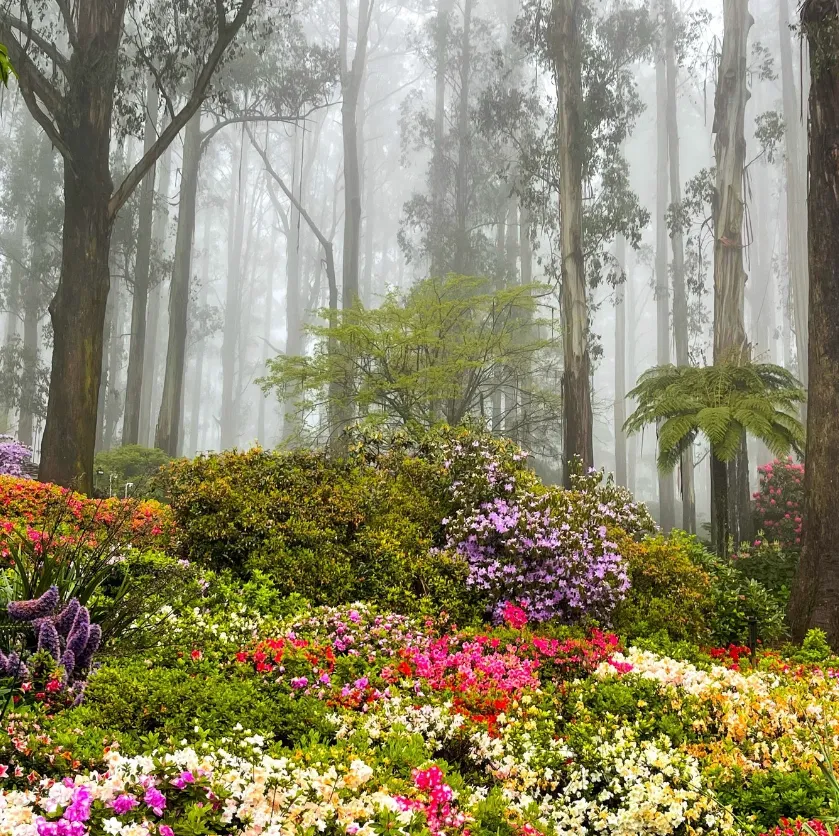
521, 550
68, 636
13, 455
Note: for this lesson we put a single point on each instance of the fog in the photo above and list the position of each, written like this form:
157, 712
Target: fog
344, 153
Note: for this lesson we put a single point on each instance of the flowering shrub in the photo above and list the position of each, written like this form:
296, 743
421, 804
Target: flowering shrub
13, 455
39, 512
779, 502
522, 551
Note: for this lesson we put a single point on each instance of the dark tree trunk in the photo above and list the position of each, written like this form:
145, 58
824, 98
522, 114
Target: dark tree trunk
139, 304
29, 372
167, 436
815, 602
719, 506
576, 378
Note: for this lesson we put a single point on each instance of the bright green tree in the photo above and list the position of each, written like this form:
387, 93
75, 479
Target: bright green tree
441, 353
720, 402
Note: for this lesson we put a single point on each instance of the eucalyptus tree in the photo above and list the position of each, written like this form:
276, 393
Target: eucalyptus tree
591, 56
814, 602
69, 60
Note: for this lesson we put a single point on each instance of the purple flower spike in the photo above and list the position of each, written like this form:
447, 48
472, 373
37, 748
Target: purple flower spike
65, 619
94, 639
77, 640
48, 639
68, 662
37, 608
16, 669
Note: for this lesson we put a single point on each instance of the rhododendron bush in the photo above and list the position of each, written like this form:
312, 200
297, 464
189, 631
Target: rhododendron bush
779, 502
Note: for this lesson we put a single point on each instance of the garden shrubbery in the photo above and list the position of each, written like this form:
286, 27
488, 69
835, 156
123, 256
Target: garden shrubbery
417, 637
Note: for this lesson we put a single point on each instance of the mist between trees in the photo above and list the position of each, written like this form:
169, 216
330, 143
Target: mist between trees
265, 220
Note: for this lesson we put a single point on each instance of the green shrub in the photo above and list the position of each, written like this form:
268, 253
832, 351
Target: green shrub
770, 564
670, 593
736, 599
132, 700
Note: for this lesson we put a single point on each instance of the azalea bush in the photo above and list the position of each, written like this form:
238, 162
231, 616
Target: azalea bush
13, 455
779, 502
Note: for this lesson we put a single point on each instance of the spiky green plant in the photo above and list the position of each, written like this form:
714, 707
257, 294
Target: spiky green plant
721, 403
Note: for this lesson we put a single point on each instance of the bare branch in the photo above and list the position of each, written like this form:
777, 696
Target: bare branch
25, 28
136, 175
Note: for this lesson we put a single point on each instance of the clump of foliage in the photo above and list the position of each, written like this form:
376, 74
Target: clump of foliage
669, 593
736, 599
438, 353
770, 564
779, 502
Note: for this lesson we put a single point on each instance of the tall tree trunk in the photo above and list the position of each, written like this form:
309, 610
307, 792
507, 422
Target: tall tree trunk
32, 308
167, 436
796, 192
666, 497
632, 442
576, 378
730, 341
150, 364
200, 347
17, 282
438, 160
112, 397
680, 302
462, 242
620, 366
815, 602
262, 432
719, 505
233, 299
352, 79
139, 304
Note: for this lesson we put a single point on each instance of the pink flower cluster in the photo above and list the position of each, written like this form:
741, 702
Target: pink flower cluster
435, 802
779, 502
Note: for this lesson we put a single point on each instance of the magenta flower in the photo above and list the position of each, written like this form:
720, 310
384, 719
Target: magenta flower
156, 800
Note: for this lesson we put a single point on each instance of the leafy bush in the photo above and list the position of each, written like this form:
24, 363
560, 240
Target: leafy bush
132, 464
669, 593
735, 598
779, 502
771, 564
132, 700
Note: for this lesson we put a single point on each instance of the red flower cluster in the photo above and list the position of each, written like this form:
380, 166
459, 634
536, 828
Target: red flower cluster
730, 656
796, 828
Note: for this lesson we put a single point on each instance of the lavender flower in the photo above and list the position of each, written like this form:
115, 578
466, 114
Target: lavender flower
94, 639
35, 609
65, 619
77, 640
48, 639
13, 454
68, 662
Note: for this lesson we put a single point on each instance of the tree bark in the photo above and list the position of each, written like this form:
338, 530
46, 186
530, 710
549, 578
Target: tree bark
680, 303
438, 160
200, 347
815, 602
620, 366
462, 242
730, 341
352, 79
233, 299
576, 378
167, 436
796, 192
139, 304
719, 505
666, 497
